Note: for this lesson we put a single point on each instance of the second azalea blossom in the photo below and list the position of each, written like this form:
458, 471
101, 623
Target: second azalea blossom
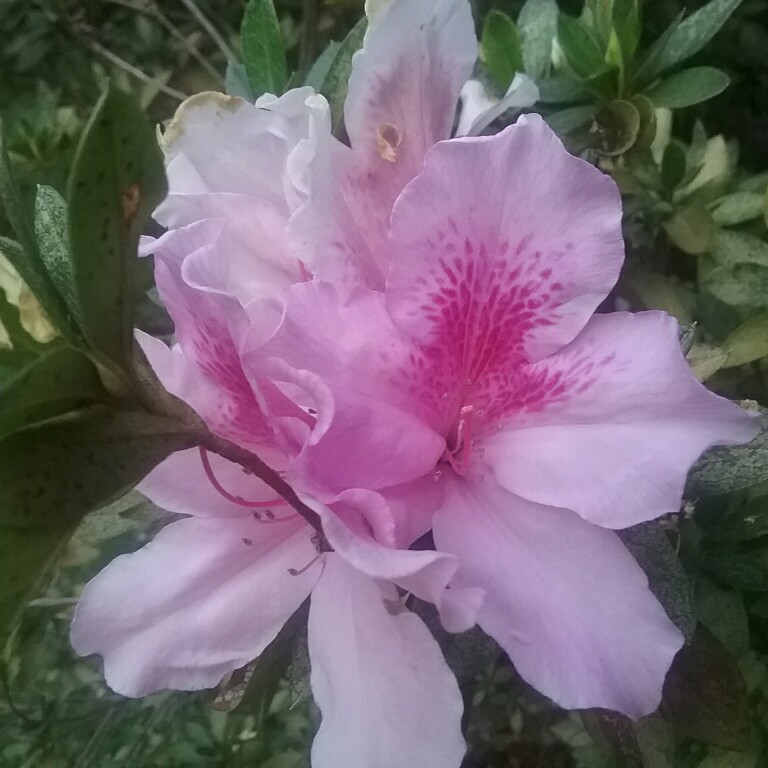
404, 328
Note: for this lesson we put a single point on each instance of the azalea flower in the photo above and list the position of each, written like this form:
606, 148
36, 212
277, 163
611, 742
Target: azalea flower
551, 426
403, 328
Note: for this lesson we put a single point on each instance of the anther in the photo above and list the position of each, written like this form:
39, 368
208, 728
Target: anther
299, 571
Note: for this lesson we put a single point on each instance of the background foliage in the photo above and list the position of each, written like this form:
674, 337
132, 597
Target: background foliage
696, 213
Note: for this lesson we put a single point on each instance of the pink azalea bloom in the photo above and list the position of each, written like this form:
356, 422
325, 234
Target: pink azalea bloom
477, 397
551, 426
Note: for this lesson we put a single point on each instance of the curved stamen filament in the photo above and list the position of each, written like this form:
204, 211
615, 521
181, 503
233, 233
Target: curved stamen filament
236, 499
463, 441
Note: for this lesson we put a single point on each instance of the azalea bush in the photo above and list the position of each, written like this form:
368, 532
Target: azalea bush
398, 407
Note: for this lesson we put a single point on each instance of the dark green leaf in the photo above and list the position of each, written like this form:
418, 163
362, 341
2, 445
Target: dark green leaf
52, 241
722, 612
691, 86
566, 120
739, 567
647, 132
626, 22
559, 89
236, 81
53, 473
650, 546
645, 72
336, 82
739, 248
262, 48
673, 165
537, 24
319, 70
705, 696
726, 469
500, 48
25, 255
57, 382
647, 743
117, 181
738, 207
580, 45
690, 36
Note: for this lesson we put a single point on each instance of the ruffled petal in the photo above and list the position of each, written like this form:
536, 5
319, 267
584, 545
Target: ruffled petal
205, 597
610, 425
564, 598
387, 697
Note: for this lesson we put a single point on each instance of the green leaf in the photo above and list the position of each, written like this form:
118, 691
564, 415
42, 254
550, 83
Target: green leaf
336, 82
537, 24
691, 86
262, 48
673, 165
618, 127
691, 228
626, 23
580, 45
236, 81
566, 120
749, 342
737, 208
725, 469
500, 48
650, 546
55, 383
319, 70
647, 743
704, 695
25, 255
117, 180
51, 234
740, 285
689, 37
559, 89
738, 567
53, 473
739, 248
726, 758
722, 612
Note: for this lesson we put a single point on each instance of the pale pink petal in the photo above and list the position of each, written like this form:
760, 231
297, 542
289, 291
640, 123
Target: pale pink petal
387, 697
179, 484
360, 528
374, 440
500, 250
610, 425
564, 598
260, 151
479, 110
210, 328
403, 92
205, 597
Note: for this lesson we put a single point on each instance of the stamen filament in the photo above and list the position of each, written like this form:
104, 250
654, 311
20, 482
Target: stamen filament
230, 497
295, 572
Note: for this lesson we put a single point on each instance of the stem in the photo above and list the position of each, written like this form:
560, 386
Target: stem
257, 467
203, 21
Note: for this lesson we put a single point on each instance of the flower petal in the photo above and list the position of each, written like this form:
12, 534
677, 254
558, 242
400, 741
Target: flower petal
374, 440
261, 150
610, 425
403, 92
179, 484
478, 110
500, 250
386, 695
205, 597
564, 598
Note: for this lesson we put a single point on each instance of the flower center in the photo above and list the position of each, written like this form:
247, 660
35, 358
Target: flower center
459, 445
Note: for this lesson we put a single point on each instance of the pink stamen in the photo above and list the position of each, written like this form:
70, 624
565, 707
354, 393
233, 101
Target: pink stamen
236, 499
463, 441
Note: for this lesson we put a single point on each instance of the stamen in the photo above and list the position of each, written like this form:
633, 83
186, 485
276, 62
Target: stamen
230, 497
295, 572
463, 441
